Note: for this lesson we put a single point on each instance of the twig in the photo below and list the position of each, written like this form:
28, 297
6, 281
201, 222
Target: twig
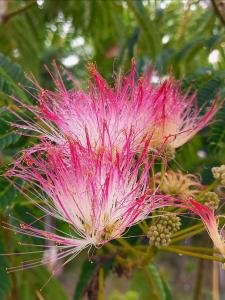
5, 17
218, 12
194, 254
100, 283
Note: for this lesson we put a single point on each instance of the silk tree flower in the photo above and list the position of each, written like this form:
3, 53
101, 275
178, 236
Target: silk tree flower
178, 184
135, 108
99, 198
177, 117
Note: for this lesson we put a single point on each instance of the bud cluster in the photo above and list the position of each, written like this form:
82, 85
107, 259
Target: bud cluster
160, 233
211, 200
219, 173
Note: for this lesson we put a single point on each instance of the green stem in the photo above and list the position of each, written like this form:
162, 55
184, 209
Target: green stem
151, 285
152, 183
199, 280
196, 249
218, 12
148, 256
186, 230
8, 16
184, 236
118, 258
163, 170
209, 188
101, 284
129, 248
203, 256
187, 248
142, 226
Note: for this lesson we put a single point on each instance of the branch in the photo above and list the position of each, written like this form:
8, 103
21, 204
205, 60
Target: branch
219, 11
6, 17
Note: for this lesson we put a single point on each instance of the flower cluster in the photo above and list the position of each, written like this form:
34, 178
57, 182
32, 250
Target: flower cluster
91, 166
138, 109
211, 200
219, 174
160, 234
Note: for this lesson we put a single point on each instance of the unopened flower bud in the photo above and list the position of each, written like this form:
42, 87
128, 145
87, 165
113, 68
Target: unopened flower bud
168, 152
171, 222
160, 233
211, 200
219, 173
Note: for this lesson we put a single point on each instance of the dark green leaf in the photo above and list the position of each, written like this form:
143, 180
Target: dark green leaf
87, 272
4, 277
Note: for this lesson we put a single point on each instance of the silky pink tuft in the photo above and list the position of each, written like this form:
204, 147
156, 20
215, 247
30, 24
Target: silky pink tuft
131, 108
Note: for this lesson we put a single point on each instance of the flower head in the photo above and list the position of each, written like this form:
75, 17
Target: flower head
178, 184
131, 108
98, 199
177, 117
91, 168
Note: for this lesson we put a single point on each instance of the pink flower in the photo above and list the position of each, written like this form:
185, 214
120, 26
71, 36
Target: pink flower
99, 200
97, 196
177, 117
109, 115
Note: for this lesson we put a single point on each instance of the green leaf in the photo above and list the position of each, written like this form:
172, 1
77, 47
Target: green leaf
88, 270
8, 136
167, 290
157, 281
8, 139
150, 33
8, 194
33, 280
5, 283
150, 285
130, 295
10, 75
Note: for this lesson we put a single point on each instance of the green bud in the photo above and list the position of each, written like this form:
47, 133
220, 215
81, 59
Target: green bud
219, 173
211, 200
160, 233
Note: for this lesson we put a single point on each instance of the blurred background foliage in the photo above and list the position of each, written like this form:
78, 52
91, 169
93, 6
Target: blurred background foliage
185, 35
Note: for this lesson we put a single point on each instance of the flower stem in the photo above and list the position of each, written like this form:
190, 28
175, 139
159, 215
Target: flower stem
194, 254
151, 285
186, 230
187, 235
118, 258
129, 248
152, 183
210, 187
8, 16
196, 249
101, 284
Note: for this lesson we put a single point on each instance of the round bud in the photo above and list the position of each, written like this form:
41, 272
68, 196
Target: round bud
219, 173
211, 200
160, 233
